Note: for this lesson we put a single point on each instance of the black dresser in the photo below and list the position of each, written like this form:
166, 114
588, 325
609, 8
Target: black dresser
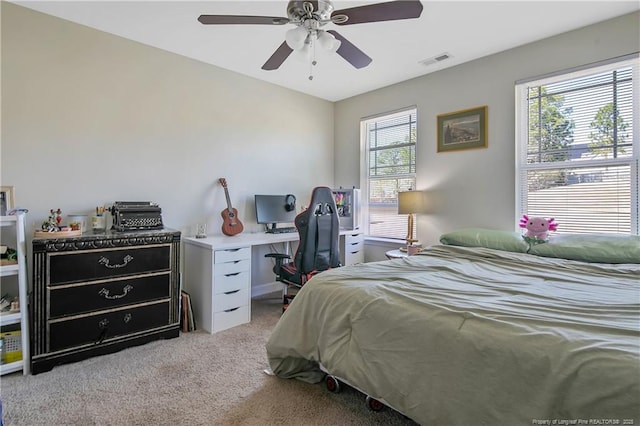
99, 293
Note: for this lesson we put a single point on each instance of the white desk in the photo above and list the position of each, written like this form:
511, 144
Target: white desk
222, 242
221, 273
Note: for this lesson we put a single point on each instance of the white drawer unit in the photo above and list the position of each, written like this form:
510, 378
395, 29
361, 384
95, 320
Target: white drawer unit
219, 282
352, 250
231, 288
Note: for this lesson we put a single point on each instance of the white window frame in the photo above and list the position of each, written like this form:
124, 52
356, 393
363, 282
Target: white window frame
522, 127
364, 174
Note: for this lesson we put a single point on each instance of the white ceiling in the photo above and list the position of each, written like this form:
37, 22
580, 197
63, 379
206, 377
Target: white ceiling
466, 30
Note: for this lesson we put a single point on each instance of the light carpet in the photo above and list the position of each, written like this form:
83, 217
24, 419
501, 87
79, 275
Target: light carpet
196, 379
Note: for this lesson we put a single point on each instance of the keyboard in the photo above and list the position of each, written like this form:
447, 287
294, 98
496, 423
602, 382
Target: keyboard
283, 230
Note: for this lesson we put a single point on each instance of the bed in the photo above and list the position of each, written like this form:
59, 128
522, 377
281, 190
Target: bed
480, 330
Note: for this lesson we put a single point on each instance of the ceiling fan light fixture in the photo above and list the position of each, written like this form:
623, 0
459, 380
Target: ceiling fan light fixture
296, 37
304, 54
310, 16
328, 42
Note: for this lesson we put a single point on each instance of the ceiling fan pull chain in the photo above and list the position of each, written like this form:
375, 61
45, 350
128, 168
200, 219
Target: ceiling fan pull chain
312, 62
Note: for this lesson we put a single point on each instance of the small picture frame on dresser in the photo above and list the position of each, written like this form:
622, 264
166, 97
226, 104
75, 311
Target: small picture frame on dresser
7, 201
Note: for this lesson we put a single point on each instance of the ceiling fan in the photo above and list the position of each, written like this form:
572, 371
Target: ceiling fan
310, 16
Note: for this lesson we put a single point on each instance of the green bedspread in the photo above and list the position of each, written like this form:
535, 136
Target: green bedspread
473, 336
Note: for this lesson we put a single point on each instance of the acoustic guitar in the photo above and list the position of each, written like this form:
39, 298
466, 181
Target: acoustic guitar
231, 225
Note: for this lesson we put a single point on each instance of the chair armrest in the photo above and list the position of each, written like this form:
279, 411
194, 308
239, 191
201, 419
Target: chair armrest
280, 259
278, 256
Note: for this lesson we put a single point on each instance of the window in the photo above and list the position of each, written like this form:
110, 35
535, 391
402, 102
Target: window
389, 166
577, 148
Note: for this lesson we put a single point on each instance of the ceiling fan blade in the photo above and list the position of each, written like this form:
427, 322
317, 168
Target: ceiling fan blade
389, 11
278, 57
350, 52
239, 19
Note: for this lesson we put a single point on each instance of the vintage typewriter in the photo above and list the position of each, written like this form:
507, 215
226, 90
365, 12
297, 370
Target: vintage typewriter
136, 215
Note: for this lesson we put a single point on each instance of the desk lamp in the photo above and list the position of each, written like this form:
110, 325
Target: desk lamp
410, 203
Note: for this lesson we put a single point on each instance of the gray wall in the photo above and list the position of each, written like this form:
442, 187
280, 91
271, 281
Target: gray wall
474, 187
89, 118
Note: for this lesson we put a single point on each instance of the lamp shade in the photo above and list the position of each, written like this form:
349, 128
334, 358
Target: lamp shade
410, 202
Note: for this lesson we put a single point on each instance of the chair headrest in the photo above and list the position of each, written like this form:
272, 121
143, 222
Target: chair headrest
322, 200
321, 195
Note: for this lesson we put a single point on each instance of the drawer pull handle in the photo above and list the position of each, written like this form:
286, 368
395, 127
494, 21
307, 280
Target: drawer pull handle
127, 317
105, 293
231, 275
232, 309
103, 325
104, 261
231, 292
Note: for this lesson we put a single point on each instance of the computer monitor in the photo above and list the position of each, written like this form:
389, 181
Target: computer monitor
272, 209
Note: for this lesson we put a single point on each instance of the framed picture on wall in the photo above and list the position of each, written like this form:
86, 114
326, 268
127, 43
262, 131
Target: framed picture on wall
463, 129
6, 199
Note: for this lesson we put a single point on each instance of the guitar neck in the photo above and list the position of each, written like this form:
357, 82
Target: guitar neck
226, 194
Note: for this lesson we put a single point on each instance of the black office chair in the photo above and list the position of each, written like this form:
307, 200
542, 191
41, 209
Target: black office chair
318, 248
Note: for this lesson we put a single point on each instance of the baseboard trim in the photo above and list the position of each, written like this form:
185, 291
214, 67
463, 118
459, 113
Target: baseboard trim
262, 289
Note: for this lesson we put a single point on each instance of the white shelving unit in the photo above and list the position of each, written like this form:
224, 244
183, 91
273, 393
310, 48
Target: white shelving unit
14, 277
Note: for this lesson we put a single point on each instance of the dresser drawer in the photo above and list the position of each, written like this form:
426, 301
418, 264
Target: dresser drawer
354, 246
354, 257
94, 329
232, 267
230, 318
351, 239
80, 298
95, 264
231, 300
232, 255
231, 282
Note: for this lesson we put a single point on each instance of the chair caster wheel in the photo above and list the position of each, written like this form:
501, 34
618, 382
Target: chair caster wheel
374, 404
333, 385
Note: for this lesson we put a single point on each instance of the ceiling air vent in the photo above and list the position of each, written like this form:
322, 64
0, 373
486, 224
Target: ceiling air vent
435, 59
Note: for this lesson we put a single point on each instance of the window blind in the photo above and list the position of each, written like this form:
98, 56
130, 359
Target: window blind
390, 151
577, 154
